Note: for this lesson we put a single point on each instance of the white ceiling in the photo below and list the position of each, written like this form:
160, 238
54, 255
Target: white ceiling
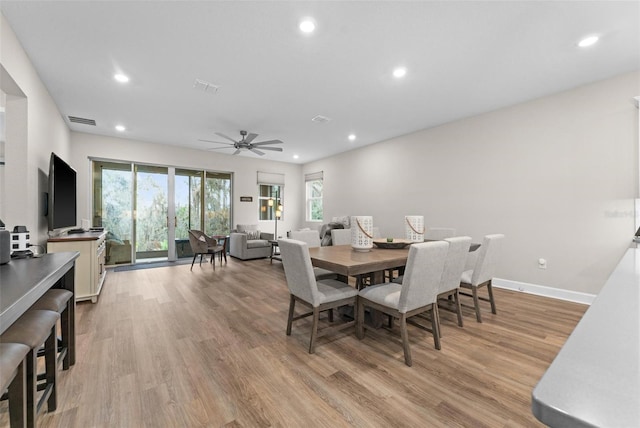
463, 58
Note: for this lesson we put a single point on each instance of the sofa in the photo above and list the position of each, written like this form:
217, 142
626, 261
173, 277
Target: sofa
246, 242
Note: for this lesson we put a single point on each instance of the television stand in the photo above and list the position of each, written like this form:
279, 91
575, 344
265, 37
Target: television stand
89, 269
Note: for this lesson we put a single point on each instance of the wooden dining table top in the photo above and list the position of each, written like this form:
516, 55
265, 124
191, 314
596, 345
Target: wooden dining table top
344, 260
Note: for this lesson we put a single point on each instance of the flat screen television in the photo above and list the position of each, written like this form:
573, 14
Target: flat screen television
62, 199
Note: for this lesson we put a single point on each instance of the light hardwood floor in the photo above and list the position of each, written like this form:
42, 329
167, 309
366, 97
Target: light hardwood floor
167, 347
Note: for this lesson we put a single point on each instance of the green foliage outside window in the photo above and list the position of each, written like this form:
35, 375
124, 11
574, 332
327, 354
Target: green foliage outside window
314, 200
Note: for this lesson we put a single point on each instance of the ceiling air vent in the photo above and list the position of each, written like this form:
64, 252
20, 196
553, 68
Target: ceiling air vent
205, 86
82, 120
320, 119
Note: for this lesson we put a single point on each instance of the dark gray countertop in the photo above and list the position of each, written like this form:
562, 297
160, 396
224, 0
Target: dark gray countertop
594, 380
23, 281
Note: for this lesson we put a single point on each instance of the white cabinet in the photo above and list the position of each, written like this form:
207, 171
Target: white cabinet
90, 270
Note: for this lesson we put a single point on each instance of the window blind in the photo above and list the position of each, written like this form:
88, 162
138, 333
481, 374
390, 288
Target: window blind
270, 178
314, 176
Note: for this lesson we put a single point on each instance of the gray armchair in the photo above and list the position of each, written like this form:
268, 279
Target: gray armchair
202, 244
247, 242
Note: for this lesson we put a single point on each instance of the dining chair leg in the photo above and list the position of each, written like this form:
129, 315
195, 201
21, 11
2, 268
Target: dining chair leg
292, 305
458, 307
476, 303
493, 302
193, 261
435, 325
314, 330
405, 339
435, 314
359, 319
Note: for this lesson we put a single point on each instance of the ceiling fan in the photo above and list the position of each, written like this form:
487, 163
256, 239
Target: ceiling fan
245, 143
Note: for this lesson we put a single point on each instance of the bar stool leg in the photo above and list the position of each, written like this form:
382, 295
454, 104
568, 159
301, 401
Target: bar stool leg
18, 397
32, 387
51, 364
65, 326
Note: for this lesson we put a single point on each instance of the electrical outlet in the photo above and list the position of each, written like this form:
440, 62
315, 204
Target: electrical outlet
542, 263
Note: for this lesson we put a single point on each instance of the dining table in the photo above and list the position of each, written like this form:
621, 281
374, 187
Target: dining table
346, 262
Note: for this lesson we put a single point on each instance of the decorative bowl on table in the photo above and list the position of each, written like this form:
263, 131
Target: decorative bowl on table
394, 245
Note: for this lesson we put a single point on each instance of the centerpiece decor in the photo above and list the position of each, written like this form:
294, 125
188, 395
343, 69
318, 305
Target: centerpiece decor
414, 228
362, 233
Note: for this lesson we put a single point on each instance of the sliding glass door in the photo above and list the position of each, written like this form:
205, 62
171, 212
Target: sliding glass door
151, 220
148, 209
188, 203
113, 208
217, 203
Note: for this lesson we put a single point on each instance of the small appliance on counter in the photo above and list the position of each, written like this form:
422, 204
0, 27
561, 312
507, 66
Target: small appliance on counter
20, 243
5, 245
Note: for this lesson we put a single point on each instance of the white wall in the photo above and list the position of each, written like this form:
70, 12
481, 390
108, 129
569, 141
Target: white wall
244, 169
34, 128
557, 175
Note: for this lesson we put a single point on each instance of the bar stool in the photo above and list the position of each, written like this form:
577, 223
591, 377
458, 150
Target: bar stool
58, 300
32, 329
13, 377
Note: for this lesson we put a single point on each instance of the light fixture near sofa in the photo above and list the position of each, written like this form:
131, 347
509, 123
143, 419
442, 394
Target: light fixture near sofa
277, 212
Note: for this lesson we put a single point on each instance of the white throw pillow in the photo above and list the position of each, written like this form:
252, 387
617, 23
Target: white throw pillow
253, 234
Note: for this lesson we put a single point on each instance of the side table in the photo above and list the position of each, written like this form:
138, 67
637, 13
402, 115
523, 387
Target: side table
275, 250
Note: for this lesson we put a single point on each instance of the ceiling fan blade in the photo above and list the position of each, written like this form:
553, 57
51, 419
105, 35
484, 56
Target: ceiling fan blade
224, 136
237, 151
249, 138
262, 143
220, 148
216, 142
256, 151
275, 149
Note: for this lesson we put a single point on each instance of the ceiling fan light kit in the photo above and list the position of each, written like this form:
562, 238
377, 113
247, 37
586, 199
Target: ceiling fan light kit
245, 143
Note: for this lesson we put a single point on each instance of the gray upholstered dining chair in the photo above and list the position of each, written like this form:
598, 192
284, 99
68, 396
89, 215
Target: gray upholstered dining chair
438, 233
417, 294
322, 295
453, 268
482, 273
312, 239
341, 237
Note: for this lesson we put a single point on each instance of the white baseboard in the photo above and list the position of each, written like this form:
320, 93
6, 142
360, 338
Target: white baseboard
541, 290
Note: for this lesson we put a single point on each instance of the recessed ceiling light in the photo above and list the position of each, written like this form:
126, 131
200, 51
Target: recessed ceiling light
307, 26
120, 128
296, 156
122, 78
588, 41
399, 72
352, 137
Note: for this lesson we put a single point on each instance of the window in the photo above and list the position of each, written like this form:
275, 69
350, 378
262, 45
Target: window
270, 195
314, 196
270, 202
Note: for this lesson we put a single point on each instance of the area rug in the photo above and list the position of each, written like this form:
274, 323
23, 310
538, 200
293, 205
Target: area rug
152, 265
